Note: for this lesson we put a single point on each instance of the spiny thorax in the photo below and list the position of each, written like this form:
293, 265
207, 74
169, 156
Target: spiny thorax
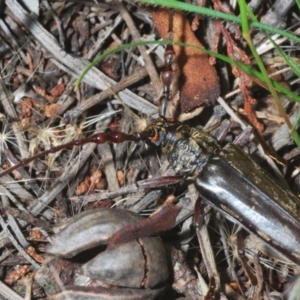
188, 149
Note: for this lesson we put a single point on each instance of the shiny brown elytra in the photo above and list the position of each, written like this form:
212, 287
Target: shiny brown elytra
233, 183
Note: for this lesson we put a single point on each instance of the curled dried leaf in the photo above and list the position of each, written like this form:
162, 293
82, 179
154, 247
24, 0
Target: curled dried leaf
90, 182
51, 110
36, 234
57, 90
17, 274
31, 251
25, 106
120, 177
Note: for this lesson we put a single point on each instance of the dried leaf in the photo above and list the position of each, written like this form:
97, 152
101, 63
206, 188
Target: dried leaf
15, 275
120, 177
57, 90
31, 251
90, 182
43, 93
51, 110
25, 106
36, 234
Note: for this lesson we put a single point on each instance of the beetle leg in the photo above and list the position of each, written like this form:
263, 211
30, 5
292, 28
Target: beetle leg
211, 294
199, 213
242, 139
161, 220
159, 182
242, 256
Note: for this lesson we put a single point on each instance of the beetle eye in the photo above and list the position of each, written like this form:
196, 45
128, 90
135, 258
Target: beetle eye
157, 137
154, 136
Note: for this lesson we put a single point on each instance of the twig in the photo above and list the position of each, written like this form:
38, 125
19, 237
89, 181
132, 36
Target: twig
17, 246
58, 23
6, 101
70, 64
8, 293
136, 37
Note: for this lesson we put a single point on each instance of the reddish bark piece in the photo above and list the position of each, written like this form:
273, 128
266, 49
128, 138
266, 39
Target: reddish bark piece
25, 107
15, 275
57, 90
31, 251
90, 182
162, 220
51, 110
199, 80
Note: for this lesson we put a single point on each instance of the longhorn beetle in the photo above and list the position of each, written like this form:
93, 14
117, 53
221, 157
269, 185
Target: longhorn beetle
226, 177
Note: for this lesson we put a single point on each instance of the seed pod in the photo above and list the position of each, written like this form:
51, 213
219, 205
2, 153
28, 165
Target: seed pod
135, 264
88, 230
83, 293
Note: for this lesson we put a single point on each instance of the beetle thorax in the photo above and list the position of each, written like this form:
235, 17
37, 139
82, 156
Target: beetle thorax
188, 149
